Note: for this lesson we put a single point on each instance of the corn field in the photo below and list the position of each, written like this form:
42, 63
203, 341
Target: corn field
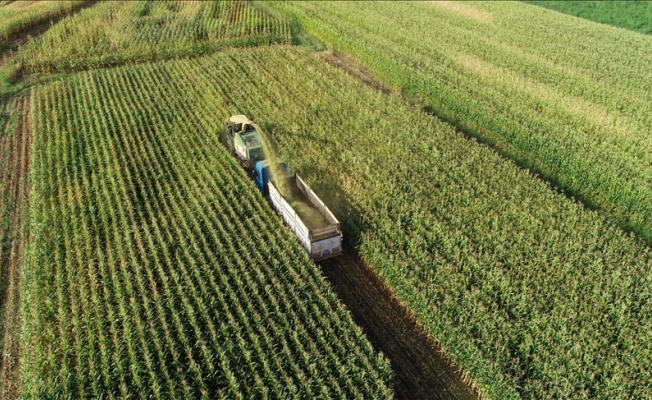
19, 16
531, 293
110, 33
156, 269
566, 98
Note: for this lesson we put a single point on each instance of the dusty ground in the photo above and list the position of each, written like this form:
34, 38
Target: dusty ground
15, 149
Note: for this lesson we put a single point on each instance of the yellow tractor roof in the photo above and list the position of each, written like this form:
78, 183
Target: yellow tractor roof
240, 119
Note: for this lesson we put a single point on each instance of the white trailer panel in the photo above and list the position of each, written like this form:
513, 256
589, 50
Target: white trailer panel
321, 243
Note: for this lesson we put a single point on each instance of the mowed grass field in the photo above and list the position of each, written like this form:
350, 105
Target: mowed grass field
154, 268
566, 98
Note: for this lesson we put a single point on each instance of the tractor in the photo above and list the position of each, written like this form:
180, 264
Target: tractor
243, 141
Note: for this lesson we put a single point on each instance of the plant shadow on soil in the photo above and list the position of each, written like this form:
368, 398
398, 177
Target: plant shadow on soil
420, 369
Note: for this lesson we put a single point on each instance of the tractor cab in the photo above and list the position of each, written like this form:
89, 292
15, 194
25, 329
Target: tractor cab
244, 141
239, 124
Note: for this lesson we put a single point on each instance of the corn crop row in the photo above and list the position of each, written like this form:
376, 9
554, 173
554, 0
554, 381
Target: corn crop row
569, 99
150, 30
158, 270
527, 290
21, 16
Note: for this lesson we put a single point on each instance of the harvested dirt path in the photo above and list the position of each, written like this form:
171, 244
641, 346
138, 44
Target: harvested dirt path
15, 156
421, 370
38, 28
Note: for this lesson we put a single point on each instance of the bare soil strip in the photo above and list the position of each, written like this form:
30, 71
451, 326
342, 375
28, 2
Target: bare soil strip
421, 370
15, 150
39, 28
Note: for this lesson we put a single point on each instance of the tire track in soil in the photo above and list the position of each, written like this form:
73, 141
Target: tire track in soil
14, 195
421, 371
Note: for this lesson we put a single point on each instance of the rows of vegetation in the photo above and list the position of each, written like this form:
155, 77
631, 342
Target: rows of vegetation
19, 16
15, 145
532, 294
9, 115
115, 32
576, 111
156, 269
635, 15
